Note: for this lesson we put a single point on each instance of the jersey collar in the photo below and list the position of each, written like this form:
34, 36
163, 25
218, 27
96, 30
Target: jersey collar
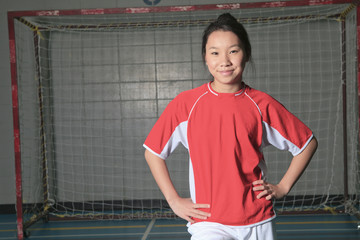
238, 93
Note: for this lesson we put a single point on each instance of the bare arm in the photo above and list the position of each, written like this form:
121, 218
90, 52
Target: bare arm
183, 207
297, 167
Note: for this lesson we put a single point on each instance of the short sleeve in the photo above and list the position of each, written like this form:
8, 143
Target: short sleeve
169, 130
284, 130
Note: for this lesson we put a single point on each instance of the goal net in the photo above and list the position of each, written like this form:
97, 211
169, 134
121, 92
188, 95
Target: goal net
90, 84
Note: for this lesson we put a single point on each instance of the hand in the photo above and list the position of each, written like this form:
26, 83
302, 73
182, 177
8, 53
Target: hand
268, 190
186, 209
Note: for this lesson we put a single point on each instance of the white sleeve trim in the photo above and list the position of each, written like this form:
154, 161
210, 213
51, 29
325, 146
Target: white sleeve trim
178, 136
273, 137
149, 149
305, 145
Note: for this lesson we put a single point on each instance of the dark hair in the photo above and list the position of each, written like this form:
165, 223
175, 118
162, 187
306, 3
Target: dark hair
226, 22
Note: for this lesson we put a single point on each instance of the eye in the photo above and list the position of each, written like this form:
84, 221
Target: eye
214, 53
234, 51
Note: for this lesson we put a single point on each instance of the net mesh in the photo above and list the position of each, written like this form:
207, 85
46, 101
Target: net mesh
92, 86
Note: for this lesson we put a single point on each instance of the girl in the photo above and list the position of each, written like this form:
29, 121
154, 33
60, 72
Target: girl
225, 124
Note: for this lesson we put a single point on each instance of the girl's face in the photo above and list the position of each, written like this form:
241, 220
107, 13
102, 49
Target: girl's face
225, 60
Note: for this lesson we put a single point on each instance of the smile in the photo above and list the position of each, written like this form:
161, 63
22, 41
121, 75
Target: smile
226, 73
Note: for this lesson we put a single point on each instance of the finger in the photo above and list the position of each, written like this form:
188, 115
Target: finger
258, 182
201, 206
259, 188
201, 213
262, 194
186, 217
189, 219
269, 197
200, 216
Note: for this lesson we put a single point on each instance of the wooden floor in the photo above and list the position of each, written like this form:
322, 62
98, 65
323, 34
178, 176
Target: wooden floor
294, 227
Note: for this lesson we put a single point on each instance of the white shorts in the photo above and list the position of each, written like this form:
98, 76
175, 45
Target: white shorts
217, 231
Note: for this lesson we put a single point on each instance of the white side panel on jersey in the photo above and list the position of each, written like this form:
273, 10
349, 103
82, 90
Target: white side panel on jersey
179, 136
273, 137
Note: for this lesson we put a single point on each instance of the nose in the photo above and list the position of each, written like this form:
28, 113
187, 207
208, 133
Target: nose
225, 61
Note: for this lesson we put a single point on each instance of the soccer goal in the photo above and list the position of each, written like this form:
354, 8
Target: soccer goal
88, 85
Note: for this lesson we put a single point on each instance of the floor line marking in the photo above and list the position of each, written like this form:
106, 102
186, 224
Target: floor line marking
165, 233
8, 230
316, 230
83, 228
278, 223
151, 225
83, 235
148, 229
315, 222
170, 225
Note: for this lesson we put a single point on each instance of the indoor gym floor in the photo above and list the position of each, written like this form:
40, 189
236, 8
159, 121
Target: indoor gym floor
319, 226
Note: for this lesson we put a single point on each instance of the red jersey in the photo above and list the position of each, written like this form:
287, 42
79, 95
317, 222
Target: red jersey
225, 134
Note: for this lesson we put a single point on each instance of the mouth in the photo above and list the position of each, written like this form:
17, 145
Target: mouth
226, 72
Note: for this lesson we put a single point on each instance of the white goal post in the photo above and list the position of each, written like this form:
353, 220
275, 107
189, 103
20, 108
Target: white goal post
88, 85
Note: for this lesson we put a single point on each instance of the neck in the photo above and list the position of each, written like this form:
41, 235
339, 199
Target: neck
226, 88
